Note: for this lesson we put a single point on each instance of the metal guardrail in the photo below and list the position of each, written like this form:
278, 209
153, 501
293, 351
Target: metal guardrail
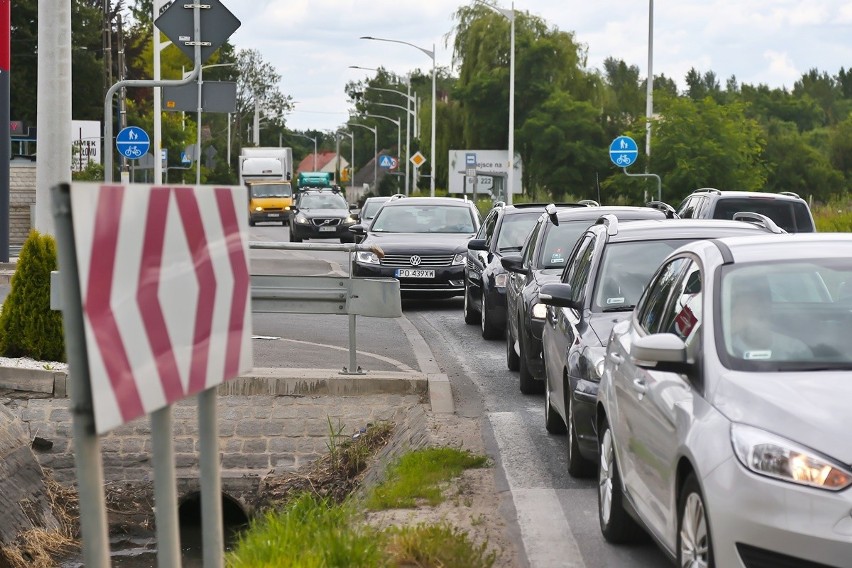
343, 295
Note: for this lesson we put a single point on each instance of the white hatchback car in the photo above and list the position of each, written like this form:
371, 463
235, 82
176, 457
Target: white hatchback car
723, 413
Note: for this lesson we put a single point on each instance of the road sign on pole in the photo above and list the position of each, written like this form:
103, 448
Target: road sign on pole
148, 349
217, 25
623, 151
418, 159
132, 142
386, 161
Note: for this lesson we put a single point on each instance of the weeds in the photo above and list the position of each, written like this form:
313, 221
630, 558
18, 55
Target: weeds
436, 545
418, 475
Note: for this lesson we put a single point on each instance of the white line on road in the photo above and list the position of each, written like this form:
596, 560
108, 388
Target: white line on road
398, 364
548, 540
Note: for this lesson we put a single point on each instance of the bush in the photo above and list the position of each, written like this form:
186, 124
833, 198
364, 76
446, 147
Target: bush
28, 327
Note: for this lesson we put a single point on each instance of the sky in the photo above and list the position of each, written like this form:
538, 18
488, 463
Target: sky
313, 43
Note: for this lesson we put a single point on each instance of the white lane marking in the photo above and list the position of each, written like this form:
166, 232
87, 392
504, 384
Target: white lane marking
398, 364
548, 540
425, 357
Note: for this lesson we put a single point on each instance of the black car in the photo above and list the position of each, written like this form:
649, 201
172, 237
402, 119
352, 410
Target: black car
541, 261
606, 274
321, 214
786, 209
424, 240
371, 207
503, 232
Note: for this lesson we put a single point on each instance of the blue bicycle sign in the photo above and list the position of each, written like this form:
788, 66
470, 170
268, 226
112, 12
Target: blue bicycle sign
132, 142
623, 151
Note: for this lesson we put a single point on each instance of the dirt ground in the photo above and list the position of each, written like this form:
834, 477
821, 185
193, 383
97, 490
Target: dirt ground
473, 501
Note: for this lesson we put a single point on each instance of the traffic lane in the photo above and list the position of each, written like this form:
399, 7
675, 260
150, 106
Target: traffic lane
533, 463
322, 341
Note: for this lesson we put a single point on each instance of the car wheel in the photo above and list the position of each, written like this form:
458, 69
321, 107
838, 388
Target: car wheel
489, 330
469, 315
578, 466
294, 238
552, 421
527, 382
252, 222
694, 545
512, 359
617, 526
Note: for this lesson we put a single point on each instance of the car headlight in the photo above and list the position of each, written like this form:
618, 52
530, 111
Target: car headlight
366, 257
258, 208
460, 258
301, 219
350, 219
287, 208
773, 456
500, 280
539, 311
593, 366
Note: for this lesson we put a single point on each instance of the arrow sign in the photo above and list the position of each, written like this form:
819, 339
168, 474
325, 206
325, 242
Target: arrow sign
165, 291
132, 142
623, 151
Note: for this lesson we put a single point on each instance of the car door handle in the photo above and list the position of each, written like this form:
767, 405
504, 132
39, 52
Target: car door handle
639, 386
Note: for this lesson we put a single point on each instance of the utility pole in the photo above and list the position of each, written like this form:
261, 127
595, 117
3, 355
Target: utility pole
122, 98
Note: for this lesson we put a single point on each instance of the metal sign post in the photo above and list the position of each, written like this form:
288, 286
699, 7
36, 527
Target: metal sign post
623, 152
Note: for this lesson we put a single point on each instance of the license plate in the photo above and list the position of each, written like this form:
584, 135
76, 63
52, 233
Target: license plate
273, 214
414, 273
327, 229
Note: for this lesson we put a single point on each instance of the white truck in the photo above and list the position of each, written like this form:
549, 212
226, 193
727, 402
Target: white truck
266, 164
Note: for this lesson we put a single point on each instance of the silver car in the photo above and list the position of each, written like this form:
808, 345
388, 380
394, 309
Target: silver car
723, 411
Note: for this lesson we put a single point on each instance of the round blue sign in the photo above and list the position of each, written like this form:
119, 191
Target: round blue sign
623, 151
132, 142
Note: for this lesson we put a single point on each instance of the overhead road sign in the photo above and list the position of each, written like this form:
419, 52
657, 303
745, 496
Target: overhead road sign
216, 96
623, 151
217, 25
166, 293
132, 142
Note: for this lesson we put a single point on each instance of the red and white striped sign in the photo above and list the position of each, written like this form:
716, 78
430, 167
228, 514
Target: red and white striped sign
166, 293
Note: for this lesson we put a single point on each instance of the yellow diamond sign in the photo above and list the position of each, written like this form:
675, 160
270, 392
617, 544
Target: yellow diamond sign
418, 159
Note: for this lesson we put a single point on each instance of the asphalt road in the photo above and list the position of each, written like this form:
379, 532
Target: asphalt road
555, 516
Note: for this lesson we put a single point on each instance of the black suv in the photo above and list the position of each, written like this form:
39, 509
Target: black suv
603, 280
504, 231
788, 210
541, 261
321, 214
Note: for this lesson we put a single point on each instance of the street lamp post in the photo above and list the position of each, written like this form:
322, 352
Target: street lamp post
158, 95
408, 114
398, 130
649, 98
431, 54
375, 132
314, 140
509, 15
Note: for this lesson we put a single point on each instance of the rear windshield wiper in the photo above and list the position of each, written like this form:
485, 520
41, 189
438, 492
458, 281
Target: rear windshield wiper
620, 308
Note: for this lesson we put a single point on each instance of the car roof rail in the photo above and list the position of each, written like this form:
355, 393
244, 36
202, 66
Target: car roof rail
498, 204
708, 190
664, 207
397, 196
551, 211
759, 220
789, 194
589, 203
611, 222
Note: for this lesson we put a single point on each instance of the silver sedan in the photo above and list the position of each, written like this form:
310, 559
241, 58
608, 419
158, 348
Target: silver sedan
723, 412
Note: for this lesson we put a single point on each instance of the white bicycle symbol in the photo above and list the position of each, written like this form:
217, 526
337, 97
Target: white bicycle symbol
133, 152
623, 160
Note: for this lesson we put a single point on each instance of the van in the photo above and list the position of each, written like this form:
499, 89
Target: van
269, 201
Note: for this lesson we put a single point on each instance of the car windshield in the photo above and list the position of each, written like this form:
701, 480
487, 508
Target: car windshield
786, 316
424, 219
792, 216
559, 241
272, 190
514, 230
625, 271
318, 201
370, 209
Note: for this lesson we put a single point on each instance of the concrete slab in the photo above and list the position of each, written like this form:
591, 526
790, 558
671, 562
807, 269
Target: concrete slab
440, 394
287, 381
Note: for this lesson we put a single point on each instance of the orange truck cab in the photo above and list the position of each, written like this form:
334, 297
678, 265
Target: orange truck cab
269, 201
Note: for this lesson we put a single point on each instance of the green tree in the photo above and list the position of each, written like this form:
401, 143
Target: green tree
624, 101
794, 165
28, 327
702, 143
823, 88
841, 148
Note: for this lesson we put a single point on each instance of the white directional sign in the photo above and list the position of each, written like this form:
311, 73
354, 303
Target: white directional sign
166, 293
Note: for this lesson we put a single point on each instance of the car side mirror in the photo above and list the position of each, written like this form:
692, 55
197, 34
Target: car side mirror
353, 206
514, 263
558, 294
477, 244
661, 352
358, 229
